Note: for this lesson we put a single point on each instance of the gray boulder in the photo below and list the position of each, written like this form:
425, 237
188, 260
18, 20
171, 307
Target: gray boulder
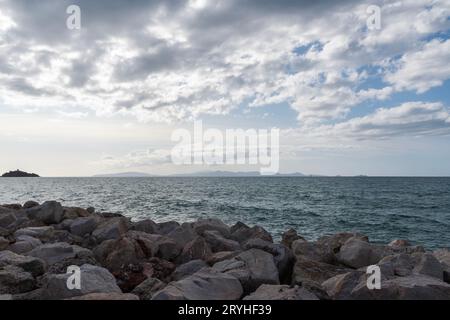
203, 285
182, 234
218, 242
188, 269
148, 288
34, 266
94, 279
356, 253
211, 224
50, 212
195, 249
7, 217
30, 204
167, 227
311, 271
242, 233
83, 226
147, 225
253, 268
112, 228
56, 252
4, 243
15, 280
313, 251
41, 233
281, 292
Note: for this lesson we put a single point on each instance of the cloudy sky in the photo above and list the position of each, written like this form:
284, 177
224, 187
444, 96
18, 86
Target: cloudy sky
348, 99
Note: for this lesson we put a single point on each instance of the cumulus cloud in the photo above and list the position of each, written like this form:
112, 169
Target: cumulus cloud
176, 60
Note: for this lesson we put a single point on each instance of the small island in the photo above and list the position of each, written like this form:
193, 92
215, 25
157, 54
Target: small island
19, 174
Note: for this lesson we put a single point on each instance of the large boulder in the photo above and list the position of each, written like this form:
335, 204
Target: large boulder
147, 225
242, 233
195, 249
203, 285
218, 242
334, 242
443, 255
50, 212
15, 280
94, 279
145, 241
30, 204
34, 266
211, 224
182, 234
283, 257
311, 271
83, 226
56, 252
41, 233
115, 254
112, 228
281, 292
221, 256
24, 244
188, 269
356, 253
7, 217
74, 213
148, 288
253, 268
167, 227
417, 263
412, 287
313, 251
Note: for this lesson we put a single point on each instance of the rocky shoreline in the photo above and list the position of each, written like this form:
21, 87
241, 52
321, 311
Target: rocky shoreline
120, 259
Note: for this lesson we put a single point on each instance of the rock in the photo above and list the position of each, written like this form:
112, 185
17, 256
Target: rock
15, 280
7, 218
341, 286
30, 204
242, 233
74, 213
167, 227
4, 243
412, 287
91, 210
41, 233
50, 212
356, 253
397, 265
203, 285
132, 275
443, 255
283, 257
313, 251
311, 271
147, 226
182, 234
333, 243
93, 280
34, 266
148, 288
115, 254
218, 242
211, 224
399, 243
220, 256
56, 252
83, 226
64, 225
280, 292
188, 269
288, 237
146, 242
107, 296
24, 244
168, 248
195, 249
253, 268
112, 228
427, 264
161, 269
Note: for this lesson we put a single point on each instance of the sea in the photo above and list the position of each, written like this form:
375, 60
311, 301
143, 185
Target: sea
383, 208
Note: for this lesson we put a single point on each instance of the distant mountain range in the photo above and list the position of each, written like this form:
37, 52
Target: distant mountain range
124, 175
19, 174
200, 174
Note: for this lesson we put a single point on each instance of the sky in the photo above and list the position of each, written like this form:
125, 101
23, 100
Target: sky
348, 98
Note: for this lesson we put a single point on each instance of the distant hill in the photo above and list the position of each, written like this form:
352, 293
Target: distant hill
235, 174
124, 175
19, 174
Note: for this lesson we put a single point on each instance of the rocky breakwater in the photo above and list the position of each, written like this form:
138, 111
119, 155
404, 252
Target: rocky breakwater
119, 259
